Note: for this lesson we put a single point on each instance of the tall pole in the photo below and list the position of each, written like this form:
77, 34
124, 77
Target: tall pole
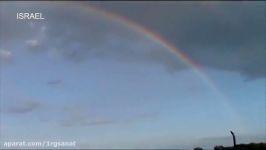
234, 138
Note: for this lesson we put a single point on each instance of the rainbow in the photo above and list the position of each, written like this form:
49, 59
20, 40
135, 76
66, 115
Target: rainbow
155, 37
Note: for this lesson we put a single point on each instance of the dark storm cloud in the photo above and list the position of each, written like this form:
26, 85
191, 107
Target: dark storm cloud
99, 37
79, 36
229, 36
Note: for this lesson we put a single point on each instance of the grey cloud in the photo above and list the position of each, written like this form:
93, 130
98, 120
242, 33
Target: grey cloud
78, 116
228, 36
101, 38
144, 116
55, 82
23, 107
5, 56
78, 36
32, 43
84, 117
83, 122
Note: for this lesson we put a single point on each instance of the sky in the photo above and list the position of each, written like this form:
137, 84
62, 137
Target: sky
94, 73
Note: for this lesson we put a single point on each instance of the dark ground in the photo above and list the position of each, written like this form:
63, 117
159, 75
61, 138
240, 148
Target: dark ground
251, 146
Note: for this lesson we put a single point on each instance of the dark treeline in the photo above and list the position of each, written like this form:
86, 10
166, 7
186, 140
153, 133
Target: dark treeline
251, 146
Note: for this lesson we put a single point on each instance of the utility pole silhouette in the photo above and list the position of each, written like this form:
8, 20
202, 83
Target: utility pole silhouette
234, 139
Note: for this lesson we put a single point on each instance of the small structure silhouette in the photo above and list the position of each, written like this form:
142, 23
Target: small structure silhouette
234, 139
